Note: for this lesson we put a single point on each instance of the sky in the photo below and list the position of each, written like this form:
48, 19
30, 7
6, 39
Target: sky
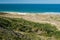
31, 1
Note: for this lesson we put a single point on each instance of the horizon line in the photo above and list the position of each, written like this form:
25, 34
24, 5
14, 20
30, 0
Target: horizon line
27, 3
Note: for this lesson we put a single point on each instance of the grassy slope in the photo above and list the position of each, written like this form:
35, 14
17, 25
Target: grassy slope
20, 29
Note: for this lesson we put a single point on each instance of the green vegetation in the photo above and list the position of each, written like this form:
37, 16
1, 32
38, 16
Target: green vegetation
20, 29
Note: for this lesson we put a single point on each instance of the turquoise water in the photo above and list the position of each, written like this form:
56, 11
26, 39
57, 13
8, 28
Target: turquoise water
30, 8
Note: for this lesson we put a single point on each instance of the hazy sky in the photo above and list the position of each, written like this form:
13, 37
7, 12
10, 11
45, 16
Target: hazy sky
32, 1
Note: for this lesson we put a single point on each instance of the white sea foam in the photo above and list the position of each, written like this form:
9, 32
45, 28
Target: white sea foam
22, 13
14, 12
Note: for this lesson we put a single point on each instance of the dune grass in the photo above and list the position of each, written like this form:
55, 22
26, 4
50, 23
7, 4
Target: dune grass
21, 25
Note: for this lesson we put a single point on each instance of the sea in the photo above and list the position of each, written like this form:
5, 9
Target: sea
30, 8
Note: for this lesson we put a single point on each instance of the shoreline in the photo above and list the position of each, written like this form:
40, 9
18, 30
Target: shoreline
22, 13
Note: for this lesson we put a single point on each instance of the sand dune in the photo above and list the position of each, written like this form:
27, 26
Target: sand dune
41, 18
